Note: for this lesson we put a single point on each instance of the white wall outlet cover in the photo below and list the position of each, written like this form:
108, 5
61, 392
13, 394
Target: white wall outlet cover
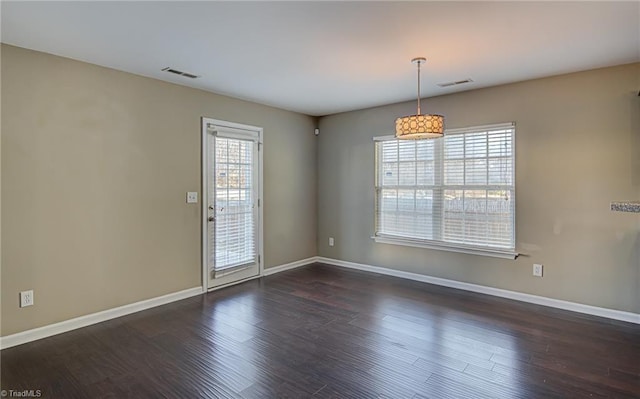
537, 270
26, 298
331, 241
192, 197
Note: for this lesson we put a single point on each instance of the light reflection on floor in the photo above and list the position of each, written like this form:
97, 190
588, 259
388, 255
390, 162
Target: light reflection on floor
444, 347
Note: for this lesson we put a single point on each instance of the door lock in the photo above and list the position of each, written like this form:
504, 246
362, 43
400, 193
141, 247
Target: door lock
211, 218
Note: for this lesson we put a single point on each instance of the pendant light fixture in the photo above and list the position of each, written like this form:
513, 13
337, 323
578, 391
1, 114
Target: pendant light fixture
419, 126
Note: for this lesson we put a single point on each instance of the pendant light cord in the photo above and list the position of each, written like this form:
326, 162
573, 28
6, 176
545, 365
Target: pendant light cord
419, 62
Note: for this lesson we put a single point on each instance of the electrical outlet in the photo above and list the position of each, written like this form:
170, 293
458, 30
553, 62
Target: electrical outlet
331, 241
192, 197
537, 270
26, 298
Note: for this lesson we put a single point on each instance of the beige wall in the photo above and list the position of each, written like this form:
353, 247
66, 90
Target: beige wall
95, 167
95, 164
577, 149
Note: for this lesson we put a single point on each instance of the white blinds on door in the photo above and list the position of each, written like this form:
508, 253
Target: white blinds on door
233, 191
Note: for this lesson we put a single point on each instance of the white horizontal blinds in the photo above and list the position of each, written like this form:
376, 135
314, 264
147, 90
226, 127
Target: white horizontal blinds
405, 187
234, 229
458, 189
478, 189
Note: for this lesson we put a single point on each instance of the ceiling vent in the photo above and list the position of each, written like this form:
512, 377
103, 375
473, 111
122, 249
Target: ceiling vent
181, 73
457, 82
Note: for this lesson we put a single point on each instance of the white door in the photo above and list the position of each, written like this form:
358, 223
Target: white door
232, 210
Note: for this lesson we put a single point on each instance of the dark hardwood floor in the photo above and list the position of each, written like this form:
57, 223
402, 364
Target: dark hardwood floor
325, 332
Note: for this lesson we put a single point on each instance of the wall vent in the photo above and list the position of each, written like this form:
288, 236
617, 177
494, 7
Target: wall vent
457, 82
181, 73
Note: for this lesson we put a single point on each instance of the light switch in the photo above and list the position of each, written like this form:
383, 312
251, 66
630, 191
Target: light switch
192, 197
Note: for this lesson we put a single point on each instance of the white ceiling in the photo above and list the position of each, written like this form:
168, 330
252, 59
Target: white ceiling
325, 57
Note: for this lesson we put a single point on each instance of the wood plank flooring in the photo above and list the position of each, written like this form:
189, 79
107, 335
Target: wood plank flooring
326, 332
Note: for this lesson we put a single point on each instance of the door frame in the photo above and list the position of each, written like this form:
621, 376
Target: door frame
205, 199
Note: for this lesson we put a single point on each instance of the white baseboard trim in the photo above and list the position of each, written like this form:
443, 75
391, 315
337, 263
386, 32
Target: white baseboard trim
94, 318
87, 320
289, 266
518, 296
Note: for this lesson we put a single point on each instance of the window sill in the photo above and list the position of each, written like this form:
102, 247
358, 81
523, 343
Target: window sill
496, 253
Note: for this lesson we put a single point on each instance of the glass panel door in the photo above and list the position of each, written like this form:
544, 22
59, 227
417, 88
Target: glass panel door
233, 217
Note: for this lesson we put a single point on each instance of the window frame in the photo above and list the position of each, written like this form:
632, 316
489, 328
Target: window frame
506, 253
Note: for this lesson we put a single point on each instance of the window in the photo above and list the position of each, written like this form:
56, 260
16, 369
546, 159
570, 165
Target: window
454, 193
234, 232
